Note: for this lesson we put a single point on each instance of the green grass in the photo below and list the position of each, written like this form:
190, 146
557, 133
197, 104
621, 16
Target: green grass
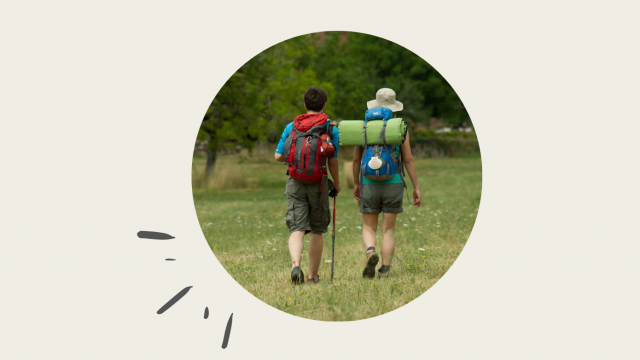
245, 227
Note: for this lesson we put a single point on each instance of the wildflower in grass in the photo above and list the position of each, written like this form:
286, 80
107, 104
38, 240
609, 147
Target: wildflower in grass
289, 298
306, 295
405, 224
270, 225
209, 224
358, 227
274, 249
413, 219
422, 256
408, 264
421, 249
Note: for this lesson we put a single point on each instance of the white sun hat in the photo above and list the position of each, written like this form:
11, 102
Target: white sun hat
385, 97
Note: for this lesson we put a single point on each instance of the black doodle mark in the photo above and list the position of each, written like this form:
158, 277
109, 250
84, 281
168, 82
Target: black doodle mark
227, 332
174, 299
162, 236
154, 235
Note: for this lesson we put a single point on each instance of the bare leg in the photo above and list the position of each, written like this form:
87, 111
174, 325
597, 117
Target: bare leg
315, 254
369, 227
296, 245
388, 237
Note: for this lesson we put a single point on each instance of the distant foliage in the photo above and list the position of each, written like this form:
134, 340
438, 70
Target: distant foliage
358, 65
428, 143
266, 93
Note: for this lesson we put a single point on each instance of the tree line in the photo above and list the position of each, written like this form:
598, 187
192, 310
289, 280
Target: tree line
266, 93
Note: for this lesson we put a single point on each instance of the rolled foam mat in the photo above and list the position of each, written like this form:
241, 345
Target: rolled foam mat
351, 132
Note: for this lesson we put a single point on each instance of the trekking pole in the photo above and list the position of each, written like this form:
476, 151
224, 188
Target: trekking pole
333, 235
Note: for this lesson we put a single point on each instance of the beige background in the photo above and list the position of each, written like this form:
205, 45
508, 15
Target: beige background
99, 109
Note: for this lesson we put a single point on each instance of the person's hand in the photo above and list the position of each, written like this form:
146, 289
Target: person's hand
336, 185
356, 192
417, 198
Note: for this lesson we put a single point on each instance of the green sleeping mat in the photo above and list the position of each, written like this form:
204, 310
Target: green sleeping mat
351, 132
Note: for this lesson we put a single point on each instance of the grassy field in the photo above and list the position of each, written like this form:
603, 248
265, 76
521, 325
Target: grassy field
242, 214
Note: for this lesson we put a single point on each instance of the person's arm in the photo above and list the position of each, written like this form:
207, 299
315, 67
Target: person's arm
280, 148
357, 158
407, 159
333, 169
333, 163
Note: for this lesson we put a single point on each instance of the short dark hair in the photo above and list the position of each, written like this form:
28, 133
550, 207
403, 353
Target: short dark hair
315, 98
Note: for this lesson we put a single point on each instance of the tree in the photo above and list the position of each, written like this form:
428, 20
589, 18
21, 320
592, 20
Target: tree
259, 99
235, 114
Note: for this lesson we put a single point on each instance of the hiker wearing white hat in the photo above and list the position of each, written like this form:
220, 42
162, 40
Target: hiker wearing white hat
383, 196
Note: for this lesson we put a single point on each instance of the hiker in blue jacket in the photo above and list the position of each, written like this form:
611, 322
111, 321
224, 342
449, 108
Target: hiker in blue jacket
305, 144
382, 196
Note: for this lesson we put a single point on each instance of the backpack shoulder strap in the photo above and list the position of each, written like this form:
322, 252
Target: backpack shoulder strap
330, 131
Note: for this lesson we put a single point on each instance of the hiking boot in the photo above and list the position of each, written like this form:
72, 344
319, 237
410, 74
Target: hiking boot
313, 281
370, 267
297, 276
383, 275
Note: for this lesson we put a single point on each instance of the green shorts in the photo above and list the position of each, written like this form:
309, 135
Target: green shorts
302, 214
377, 198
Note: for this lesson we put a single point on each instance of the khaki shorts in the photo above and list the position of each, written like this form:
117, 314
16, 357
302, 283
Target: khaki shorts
377, 198
301, 202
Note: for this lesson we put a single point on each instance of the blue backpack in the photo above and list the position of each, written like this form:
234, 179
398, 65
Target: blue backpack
380, 162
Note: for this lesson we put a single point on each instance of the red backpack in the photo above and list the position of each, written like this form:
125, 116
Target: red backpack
303, 148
